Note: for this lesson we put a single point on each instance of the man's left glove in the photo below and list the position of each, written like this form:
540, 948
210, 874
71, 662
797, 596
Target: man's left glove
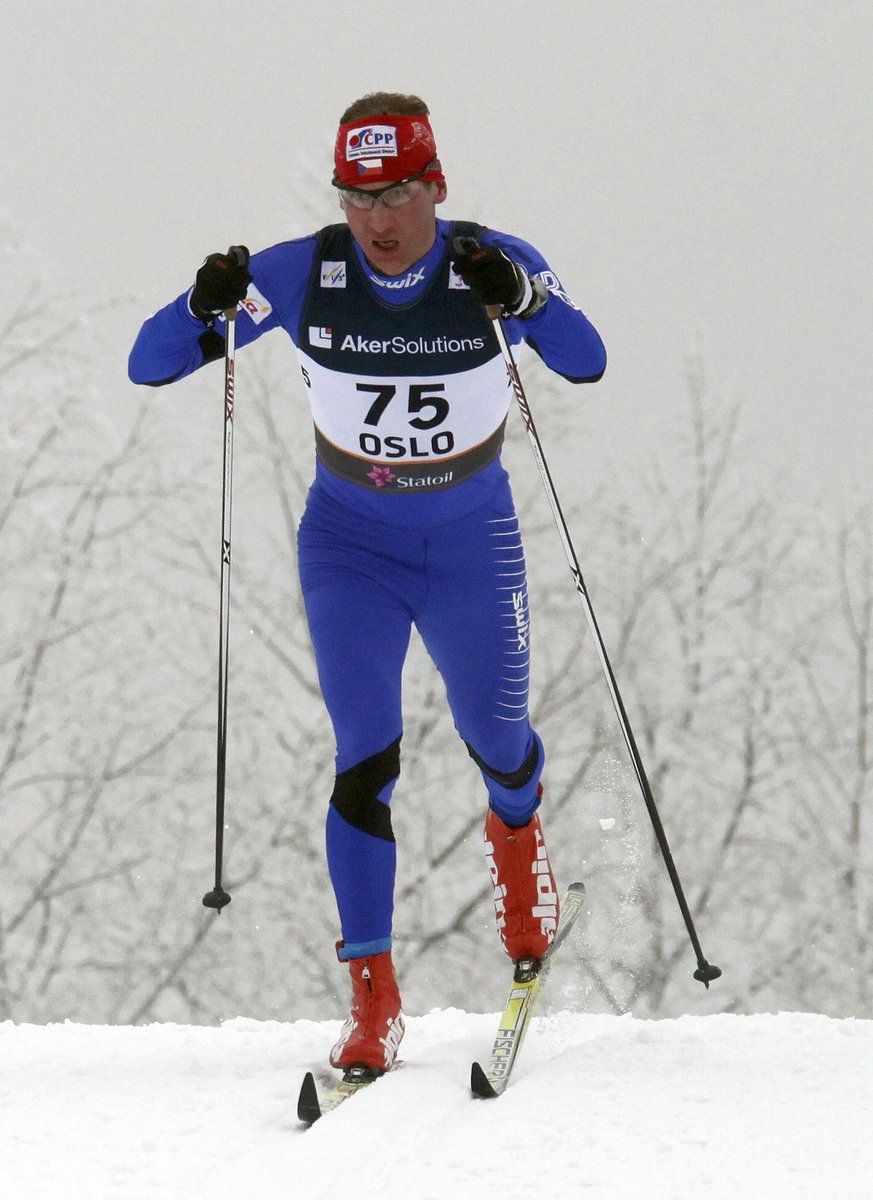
495, 279
221, 283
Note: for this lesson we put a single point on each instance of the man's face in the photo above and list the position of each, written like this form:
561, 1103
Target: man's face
393, 239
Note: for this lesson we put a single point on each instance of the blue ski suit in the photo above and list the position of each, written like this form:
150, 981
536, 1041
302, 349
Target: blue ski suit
409, 520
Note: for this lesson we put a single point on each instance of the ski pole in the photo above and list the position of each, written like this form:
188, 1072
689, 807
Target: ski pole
218, 897
706, 972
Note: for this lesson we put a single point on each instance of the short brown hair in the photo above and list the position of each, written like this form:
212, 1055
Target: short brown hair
394, 104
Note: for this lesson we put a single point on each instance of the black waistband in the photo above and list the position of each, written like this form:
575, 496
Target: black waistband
383, 475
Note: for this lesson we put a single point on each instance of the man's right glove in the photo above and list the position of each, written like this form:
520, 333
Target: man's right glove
221, 283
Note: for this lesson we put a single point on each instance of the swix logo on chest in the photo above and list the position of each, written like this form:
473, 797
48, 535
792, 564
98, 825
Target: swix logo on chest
410, 279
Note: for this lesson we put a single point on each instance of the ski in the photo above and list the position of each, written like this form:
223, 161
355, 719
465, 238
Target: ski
524, 992
311, 1106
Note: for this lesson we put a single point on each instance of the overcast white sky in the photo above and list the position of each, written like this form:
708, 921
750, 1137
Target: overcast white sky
696, 172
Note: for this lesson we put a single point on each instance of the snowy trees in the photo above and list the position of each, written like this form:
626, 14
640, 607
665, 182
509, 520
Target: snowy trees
108, 524
742, 636
91, 665
834, 735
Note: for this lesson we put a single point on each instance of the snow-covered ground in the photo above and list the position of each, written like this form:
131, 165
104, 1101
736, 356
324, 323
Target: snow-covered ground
601, 1108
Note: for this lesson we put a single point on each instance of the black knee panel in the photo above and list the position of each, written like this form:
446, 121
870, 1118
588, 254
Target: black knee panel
509, 779
356, 792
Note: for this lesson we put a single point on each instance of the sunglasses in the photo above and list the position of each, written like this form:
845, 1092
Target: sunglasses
392, 195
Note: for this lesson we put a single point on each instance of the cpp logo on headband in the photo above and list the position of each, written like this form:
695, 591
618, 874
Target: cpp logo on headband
371, 141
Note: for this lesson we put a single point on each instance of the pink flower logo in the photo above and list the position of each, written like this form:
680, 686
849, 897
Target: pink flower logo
381, 475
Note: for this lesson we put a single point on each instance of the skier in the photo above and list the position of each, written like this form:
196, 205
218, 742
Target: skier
410, 518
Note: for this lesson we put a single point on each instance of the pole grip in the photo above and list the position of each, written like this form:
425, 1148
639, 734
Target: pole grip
468, 245
238, 255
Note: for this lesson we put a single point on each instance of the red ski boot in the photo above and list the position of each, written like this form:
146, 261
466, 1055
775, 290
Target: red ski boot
525, 894
372, 1033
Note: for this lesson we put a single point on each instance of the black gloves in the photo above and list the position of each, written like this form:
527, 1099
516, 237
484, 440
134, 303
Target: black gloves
221, 283
495, 279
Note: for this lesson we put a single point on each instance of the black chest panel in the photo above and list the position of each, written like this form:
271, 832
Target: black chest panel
345, 327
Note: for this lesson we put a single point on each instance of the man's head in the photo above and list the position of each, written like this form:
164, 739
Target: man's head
389, 178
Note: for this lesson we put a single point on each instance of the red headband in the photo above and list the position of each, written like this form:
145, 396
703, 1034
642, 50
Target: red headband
386, 149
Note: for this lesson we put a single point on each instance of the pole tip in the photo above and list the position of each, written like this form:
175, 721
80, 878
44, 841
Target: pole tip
706, 972
216, 899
